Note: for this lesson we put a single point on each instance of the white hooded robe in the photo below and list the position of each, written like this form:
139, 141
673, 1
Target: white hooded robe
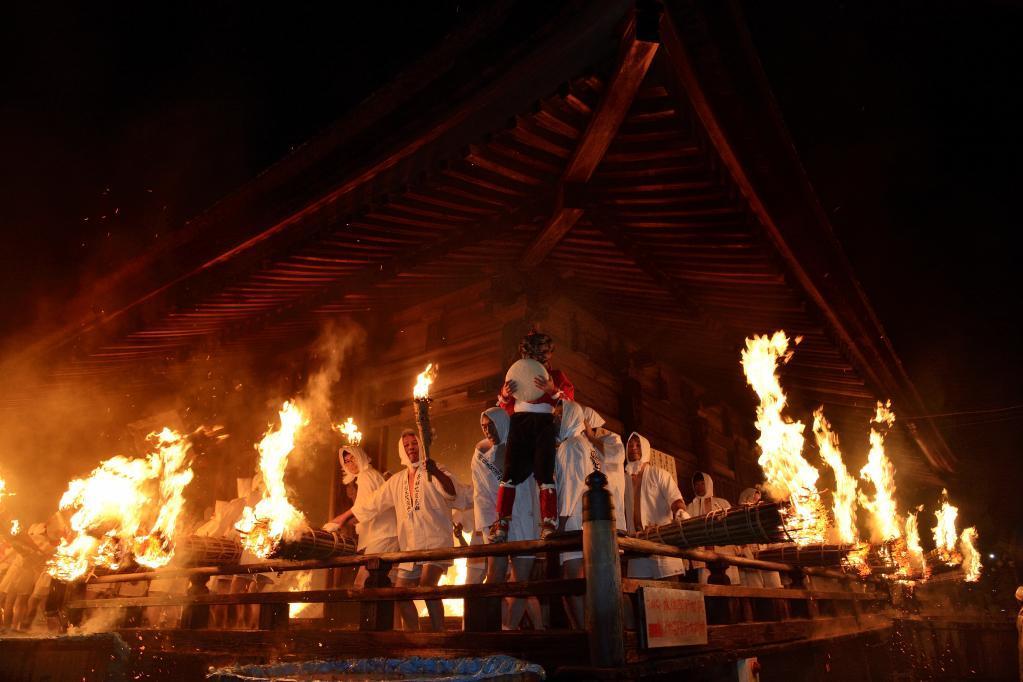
379, 533
701, 506
487, 470
658, 490
422, 510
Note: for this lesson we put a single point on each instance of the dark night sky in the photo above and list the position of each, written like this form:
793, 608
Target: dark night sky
118, 121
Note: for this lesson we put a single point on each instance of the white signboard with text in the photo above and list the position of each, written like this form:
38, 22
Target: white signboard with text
672, 617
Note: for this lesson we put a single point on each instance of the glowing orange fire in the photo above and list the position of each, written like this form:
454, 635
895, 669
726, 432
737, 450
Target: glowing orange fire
945, 533
788, 475
422, 388
264, 526
455, 575
879, 471
971, 557
125, 508
844, 495
914, 564
350, 431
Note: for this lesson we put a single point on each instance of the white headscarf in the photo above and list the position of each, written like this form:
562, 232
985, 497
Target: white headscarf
708, 484
361, 461
501, 421
632, 468
593, 419
572, 420
401, 450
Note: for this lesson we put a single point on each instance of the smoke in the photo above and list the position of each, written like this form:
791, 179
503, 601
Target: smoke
337, 343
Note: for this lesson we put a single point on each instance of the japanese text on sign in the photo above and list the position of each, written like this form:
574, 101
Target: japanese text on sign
673, 617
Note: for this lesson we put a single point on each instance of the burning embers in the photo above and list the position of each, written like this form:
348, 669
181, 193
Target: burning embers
264, 526
126, 509
895, 540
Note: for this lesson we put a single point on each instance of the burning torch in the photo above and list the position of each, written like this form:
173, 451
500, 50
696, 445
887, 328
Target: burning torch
421, 405
350, 432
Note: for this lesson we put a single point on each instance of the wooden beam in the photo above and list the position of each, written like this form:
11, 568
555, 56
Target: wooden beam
634, 61
690, 309
533, 588
804, 241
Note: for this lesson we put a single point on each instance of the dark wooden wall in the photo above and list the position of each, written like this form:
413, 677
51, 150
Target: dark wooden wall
473, 336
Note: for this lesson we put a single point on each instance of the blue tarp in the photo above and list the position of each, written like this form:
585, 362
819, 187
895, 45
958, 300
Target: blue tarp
406, 669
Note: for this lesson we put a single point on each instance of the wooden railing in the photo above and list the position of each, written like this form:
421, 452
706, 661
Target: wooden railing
736, 614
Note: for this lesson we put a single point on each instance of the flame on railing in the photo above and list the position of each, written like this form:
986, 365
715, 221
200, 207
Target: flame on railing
945, 533
844, 495
915, 565
125, 508
263, 526
788, 475
971, 557
879, 471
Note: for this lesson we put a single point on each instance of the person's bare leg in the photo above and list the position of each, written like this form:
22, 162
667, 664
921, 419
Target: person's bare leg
573, 568
429, 578
361, 577
20, 609
522, 569
407, 609
8, 610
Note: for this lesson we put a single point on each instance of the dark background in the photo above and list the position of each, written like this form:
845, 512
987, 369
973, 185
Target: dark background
118, 121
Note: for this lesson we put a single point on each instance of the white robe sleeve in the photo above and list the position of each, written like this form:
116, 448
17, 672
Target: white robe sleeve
366, 507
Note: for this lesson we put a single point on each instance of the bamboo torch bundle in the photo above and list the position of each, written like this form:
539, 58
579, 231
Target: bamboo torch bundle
197, 550
810, 555
756, 524
421, 406
314, 544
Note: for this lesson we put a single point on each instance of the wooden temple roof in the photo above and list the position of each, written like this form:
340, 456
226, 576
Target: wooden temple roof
630, 153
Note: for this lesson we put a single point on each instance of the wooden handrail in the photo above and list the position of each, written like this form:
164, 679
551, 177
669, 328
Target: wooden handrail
567, 542
638, 546
513, 589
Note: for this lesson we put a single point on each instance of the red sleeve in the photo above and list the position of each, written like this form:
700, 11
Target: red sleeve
508, 405
564, 385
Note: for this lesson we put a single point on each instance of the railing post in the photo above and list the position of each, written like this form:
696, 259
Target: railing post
56, 605
196, 616
274, 616
604, 612
377, 615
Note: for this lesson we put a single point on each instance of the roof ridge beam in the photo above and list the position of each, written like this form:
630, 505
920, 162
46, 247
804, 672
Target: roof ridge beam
639, 46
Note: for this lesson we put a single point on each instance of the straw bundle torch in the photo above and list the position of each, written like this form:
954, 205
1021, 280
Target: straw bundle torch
421, 405
350, 432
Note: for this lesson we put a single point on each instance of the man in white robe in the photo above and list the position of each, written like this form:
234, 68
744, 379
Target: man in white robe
577, 458
422, 511
377, 534
487, 468
705, 503
654, 501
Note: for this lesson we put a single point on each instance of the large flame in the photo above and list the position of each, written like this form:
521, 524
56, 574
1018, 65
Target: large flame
915, 564
350, 431
264, 526
422, 388
125, 508
880, 472
788, 475
844, 495
301, 582
945, 533
971, 557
